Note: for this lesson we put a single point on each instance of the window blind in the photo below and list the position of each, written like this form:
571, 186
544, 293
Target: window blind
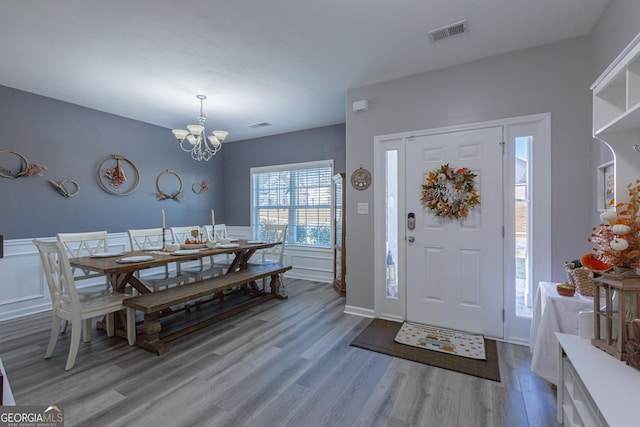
298, 195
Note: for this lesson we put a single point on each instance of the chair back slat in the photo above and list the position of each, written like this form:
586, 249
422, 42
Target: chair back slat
274, 233
145, 239
84, 244
59, 275
217, 232
220, 232
180, 234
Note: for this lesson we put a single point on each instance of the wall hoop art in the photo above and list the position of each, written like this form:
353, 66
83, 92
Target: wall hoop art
176, 195
63, 189
114, 179
24, 169
606, 186
200, 187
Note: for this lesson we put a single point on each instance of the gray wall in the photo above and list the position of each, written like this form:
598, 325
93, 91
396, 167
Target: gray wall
553, 78
618, 25
71, 141
325, 143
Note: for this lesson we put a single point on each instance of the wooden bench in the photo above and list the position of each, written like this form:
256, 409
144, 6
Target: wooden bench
153, 304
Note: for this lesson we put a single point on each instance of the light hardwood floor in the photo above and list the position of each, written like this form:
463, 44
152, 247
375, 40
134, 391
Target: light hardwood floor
283, 363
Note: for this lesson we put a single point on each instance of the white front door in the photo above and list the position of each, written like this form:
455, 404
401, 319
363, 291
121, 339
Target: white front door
455, 267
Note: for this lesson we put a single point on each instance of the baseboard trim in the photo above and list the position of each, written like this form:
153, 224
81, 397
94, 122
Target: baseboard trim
391, 318
359, 311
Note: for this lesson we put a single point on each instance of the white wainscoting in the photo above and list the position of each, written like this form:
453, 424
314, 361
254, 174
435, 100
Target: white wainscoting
23, 289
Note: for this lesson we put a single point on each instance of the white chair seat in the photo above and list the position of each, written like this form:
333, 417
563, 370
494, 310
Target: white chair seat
204, 271
164, 280
91, 302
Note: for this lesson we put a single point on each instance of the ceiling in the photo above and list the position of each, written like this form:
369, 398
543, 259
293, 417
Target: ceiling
285, 62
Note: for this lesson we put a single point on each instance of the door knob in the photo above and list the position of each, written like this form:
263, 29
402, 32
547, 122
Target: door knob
411, 239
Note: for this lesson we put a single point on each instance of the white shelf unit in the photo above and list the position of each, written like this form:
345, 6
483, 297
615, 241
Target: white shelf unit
616, 113
594, 388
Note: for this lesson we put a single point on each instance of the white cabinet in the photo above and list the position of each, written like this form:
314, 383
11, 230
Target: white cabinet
594, 388
616, 114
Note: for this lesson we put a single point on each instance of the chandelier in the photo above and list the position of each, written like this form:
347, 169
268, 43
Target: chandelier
198, 144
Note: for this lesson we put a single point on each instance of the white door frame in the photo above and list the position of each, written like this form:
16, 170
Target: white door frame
516, 329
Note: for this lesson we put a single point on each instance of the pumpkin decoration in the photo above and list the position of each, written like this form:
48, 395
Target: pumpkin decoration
617, 240
621, 229
592, 262
619, 244
608, 215
565, 289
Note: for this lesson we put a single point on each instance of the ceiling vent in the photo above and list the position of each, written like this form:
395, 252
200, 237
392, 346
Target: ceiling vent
260, 125
449, 31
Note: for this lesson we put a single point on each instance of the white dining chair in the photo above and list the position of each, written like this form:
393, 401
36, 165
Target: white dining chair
149, 239
200, 270
69, 305
275, 254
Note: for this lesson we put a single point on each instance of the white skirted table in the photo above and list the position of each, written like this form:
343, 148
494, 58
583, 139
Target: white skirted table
553, 313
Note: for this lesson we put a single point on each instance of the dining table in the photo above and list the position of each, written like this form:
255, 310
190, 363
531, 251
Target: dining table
122, 269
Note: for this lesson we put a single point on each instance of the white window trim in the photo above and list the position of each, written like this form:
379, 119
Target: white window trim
289, 167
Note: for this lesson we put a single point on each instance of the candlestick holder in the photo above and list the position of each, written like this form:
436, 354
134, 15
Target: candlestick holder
164, 239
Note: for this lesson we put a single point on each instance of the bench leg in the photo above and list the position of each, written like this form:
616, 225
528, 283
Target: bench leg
275, 287
151, 334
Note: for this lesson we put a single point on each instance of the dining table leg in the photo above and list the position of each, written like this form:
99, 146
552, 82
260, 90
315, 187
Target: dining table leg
240, 260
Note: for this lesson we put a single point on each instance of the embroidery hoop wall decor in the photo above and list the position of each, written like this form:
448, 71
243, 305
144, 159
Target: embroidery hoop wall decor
60, 186
449, 192
200, 187
161, 195
361, 179
24, 169
112, 179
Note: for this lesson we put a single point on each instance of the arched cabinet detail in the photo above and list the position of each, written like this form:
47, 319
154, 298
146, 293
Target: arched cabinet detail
616, 115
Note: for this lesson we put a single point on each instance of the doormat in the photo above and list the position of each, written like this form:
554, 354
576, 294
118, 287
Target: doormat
379, 336
450, 341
